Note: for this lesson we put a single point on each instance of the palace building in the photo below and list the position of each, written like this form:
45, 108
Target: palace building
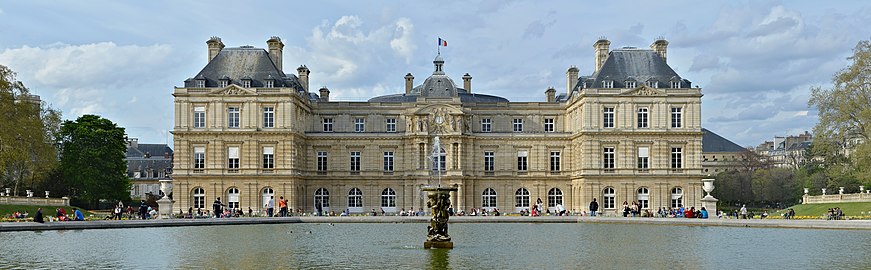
245, 131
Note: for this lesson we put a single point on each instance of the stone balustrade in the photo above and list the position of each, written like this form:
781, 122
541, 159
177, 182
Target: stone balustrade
35, 201
836, 198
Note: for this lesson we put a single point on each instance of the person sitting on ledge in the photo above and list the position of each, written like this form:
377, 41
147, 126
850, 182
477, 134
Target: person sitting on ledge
38, 216
703, 213
79, 215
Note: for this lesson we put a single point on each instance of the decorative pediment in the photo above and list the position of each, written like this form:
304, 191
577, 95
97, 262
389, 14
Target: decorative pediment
440, 119
233, 90
643, 90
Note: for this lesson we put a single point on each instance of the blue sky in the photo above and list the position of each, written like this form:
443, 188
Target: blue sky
755, 60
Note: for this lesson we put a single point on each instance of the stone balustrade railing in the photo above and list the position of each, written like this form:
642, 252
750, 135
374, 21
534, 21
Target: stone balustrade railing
836, 198
35, 201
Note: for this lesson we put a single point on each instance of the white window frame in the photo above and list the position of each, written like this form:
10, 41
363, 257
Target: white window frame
233, 120
554, 197
269, 117
653, 84
355, 199
676, 197
555, 161
322, 161
268, 157
609, 157
643, 161
486, 125
676, 157
608, 116
607, 84
322, 195
521, 198
246, 83
201, 83
199, 157
522, 160
359, 124
328, 124
199, 200
676, 117
489, 161
517, 124
233, 157
630, 84
549, 124
643, 197
233, 198
388, 161
643, 117
199, 116
388, 198
609, 200
355, 161
270, 84
488, 198
390, 125
675, 84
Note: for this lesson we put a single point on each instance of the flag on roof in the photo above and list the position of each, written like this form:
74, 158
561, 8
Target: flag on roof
443, 42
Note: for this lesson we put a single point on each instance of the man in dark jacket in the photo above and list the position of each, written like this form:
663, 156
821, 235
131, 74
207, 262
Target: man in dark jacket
217, 206
143, 210
594, 206
38, 216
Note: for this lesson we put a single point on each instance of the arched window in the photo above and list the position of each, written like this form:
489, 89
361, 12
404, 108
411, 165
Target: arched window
322, 199
521, 198
439, 163
644, 198
355, 200
199, 198
233, 198
554, 197
388, 198
608, 198
267, 194
676, 197
489, 198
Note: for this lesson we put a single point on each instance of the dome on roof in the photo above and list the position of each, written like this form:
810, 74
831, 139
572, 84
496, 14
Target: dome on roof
438, 59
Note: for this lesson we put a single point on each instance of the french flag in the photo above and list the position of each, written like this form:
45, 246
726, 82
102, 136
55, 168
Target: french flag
443, 42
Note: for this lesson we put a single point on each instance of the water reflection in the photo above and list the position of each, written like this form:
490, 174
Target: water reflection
439, 258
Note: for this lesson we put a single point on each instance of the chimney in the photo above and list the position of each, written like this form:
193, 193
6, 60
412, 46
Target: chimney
409, 83
133, 143
303, 72
325, 94
276, 47
467, 82
551, 94
660, 47
571, 78
602, 45
215, 46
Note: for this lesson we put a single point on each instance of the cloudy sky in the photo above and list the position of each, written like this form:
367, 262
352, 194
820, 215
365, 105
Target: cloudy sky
755, 60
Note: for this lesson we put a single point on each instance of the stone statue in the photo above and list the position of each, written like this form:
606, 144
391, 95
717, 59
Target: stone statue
439, 200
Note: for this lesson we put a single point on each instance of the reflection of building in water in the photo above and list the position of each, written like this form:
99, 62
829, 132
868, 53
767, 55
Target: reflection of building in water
248, 131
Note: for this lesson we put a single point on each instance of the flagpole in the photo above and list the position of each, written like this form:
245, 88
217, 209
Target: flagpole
439, 46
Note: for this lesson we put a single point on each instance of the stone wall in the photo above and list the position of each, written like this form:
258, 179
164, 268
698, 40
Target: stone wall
836, 198
35, 201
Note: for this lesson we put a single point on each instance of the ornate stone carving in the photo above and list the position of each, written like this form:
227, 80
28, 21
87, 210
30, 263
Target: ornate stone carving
439, 199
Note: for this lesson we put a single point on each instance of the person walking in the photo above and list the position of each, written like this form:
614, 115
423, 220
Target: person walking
282, 207
270, 206
143, 209
217, 206
743, 211
594, 206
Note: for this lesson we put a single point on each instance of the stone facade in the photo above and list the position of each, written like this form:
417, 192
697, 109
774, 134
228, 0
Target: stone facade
245, 133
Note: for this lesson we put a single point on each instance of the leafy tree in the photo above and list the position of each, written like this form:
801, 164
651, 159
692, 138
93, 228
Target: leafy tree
28, 150
92, 160
845, 116
733, 187
776, 185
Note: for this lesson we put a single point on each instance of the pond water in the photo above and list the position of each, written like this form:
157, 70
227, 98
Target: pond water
400, 246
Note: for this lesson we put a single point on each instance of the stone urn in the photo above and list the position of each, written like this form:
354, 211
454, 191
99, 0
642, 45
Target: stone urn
840, 190
824, 191
861, 189
439, 199
8, 192
46, 194
709, 202
805, 191
165, 204
708, 186
29, 193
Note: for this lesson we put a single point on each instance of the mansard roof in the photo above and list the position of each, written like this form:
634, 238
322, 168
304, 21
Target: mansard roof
713, 143
438, 85
632, 64
240, 63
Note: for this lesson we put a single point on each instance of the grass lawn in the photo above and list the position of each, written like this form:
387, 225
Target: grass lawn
6, 210
849, 208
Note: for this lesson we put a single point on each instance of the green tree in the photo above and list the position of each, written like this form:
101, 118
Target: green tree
845, 115
28, 150
92, 159
776, 185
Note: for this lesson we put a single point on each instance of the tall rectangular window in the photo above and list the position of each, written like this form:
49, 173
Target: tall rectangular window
233, 117
322, 161
642, 117
388, 161
676, 117
246, 83
608, 117
328, 124
270, 83
676, 158
233, 157
224, 83
675, 84
199, 117
607, 84
554, 161
608, 158
268, 157
643, 157
199, 157
489, 159
518, 125
486, 125
391, 124
201, 83
355, 161
268, 117
359, 125
522, 160
548, 124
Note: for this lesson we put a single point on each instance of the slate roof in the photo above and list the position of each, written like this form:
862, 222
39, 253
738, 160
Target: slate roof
136, 160
713, 143
629, 63
240, 63
438, 85
155, 150
464, 97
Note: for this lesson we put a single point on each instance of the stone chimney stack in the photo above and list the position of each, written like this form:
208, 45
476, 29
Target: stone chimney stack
409, 83
571, 78
660, 47
467, 82
325, 94
276, 48
551, 94
602, 47
215, 46
302, 73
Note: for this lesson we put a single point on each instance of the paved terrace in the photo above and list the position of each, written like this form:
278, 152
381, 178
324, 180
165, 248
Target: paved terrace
751, 223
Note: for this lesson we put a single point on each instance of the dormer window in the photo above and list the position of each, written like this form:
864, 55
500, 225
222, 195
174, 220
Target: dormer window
224, 81
246, 83
675, 84
608, 84
630, 84
201, 83
652, 84
270, 83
